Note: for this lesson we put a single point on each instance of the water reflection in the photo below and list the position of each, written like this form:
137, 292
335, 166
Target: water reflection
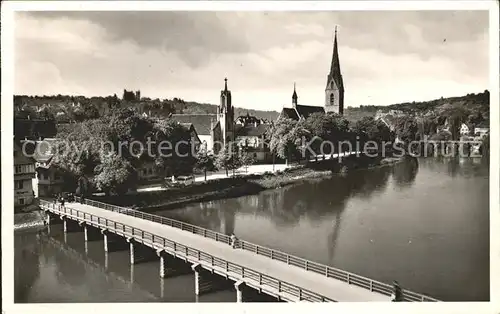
26, 251
404, 173
407, 222
425, 223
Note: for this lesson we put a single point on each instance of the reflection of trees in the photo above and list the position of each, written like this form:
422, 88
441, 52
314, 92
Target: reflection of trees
453, 166
316, 199
26, 265
285, 207
404, 173
218, 216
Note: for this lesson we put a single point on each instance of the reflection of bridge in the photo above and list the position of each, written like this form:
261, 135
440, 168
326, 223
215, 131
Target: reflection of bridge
256, 272
84, 260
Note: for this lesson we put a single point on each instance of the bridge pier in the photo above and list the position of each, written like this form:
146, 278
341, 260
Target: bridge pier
113, 242
91, 233
53, 219
171, 266
139, 252
245, 293
70, 225
206, 281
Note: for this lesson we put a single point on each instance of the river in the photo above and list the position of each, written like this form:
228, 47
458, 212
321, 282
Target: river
425, 224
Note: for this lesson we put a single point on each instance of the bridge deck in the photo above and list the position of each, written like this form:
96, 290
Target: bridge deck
328, 287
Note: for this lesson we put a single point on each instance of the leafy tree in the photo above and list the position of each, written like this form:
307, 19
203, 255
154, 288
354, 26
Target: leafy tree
178, 157
115, 175
367, 128
228, 158
325, 127
204, 162
246, 160
286, 138
406, 129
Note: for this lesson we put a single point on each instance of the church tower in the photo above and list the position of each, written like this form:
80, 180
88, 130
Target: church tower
225, 114
334, 91
294, 97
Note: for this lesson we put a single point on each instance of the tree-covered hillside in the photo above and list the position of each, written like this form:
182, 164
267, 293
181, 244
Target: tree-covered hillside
65, 108
476, 105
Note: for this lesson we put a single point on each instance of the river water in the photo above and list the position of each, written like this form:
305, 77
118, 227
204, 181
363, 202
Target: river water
425, 224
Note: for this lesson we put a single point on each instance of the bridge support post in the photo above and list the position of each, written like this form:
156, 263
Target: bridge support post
171, 266
70, 225
245, 293
53, 219
113, 242
90, 232
140, 252
206, 281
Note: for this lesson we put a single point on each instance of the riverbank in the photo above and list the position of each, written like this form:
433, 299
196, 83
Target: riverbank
241, 185
33, 219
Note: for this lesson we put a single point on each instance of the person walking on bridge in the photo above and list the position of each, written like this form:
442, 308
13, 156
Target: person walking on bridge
62, 201
234, 241
397, 294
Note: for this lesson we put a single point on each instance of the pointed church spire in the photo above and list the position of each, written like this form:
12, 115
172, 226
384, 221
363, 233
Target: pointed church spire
225, 84
335, 72
294, 96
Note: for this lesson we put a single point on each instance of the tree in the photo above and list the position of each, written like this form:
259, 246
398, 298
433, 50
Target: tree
115, 175
367, 128
178, 157
228, 158
204, 162
325, 127
406, 129
286, 138
91, 142
246, 160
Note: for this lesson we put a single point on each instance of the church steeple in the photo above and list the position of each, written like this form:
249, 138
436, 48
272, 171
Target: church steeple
226, 114
294, 96
335, 65
334, 91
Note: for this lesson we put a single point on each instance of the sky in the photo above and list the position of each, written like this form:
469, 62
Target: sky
386, 57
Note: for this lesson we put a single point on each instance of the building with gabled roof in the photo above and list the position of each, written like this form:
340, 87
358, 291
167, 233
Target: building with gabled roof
299, 112
24, 172
334, 93
213, 130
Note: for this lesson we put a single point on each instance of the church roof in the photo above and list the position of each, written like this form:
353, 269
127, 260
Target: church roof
202, 123
290, 113
306, 111
251, 130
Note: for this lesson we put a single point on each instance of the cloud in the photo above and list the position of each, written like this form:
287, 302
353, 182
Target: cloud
386, 57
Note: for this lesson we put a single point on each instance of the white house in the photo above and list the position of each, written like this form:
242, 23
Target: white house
464, 129
481, 130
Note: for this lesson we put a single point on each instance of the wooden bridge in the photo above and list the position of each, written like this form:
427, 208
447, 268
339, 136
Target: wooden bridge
254, 271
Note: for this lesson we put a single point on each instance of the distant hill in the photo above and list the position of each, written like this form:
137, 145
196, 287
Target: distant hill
476, 104
65, 108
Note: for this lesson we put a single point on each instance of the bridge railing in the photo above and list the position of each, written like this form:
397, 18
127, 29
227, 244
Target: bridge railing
328, 271
194, 255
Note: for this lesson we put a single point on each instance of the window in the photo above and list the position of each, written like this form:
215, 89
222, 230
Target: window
18, 169
332, 99
19, 185
21, 201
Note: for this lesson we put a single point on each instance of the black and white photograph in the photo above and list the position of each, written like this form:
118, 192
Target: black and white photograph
219, 152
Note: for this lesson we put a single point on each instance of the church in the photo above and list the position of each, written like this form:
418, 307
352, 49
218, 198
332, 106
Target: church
334, 93
213, 130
